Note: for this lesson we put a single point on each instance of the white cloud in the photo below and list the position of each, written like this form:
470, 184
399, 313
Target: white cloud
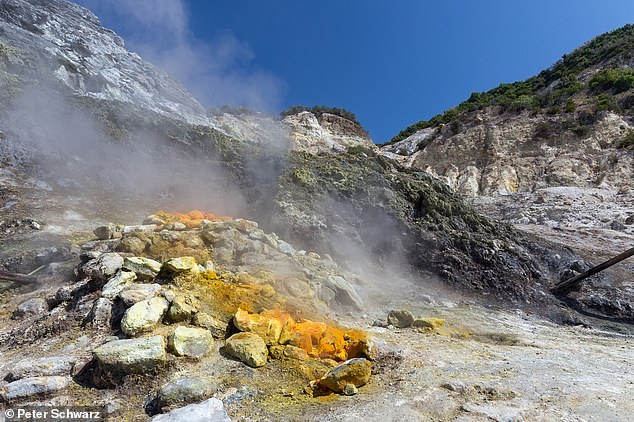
219, 71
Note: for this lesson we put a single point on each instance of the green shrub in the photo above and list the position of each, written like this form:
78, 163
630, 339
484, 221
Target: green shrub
319, 110
628, 140
616, 80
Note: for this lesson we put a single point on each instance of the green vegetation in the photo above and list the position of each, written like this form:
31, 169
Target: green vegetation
553, 88
319, 110
628, 141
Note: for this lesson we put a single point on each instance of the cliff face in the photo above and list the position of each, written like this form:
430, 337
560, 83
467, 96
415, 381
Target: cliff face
488, 154
58, 42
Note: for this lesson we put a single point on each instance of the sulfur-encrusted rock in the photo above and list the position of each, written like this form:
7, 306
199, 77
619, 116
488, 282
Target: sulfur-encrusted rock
41, 367
183, 265
428, 323
182, 308
355, 371
268, 327
117, 283
190, 341
143, 316
134, 293
131, 356
295, 352
33, 387
186, 390
400, 318
247, 347
211, 410
145, 268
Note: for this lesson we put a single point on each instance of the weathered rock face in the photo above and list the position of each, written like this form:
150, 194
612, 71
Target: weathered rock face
190, 341
143, 316
326, 134
354, 372
63, 42
502, 155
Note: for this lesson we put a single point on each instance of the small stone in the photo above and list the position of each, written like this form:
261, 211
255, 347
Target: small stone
131, 356
207, 411
179, 226
144, 228
313, 255
350, 390
143, 316
41, 367
428, 323
355, 371
276, 351
185, 390
31, 307
400, 318
35, 386
295, 353
104, 232
132, 244
145, 268
134, 293
456, 386
190, 341
182, 308
101, 313
248, 348
117, 283
217, 328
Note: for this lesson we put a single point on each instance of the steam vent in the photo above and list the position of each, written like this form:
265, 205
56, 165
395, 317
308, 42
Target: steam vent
165, 260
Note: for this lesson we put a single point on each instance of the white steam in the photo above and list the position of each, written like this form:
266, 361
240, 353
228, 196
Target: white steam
218, 72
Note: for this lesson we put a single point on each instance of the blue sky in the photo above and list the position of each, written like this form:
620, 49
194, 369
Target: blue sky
392, 63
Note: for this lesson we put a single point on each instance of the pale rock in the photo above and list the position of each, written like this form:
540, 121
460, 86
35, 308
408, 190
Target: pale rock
31, 307
186, 390
182, 308
131, 356
117, 283
355, 371
182, 265
41, 367
35, 386
134, 293
211, 410
100, 313
248, 348
190, 341
143, 316
145, 268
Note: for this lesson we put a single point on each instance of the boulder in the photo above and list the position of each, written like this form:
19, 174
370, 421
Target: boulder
41, 367
268, 327
185, 265
211, 410
145, 268
109, 231
31, 307
117, 283
134, 293
217, 328
131, 356
400, 318
185, 390
248, 348
100, 313
33, 387
190, 341
104, 267
355, 371
143, 316
182, 308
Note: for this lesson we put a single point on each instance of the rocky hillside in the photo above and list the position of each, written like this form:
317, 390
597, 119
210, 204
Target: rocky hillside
554, 152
